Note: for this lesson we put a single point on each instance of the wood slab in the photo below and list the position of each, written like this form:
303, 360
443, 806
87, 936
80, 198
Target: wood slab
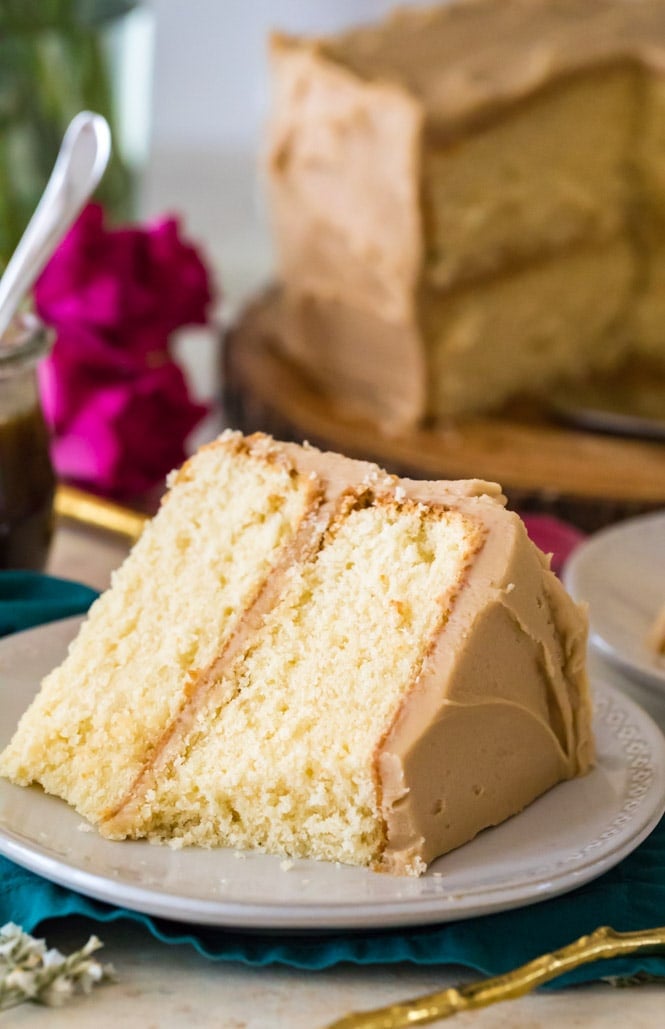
590, 478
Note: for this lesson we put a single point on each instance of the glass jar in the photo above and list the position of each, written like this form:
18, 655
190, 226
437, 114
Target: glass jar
27, 479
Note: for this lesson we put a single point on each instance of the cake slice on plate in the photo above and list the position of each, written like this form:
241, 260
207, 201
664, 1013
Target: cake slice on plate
306, 655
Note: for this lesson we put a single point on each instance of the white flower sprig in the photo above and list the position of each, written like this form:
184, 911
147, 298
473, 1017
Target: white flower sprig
28, 971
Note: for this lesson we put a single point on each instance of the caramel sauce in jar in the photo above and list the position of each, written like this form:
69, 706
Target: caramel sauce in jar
27, 480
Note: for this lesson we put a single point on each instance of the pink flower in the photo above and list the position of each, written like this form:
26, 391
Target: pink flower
133, 286
104, 443
116, 401
553, 537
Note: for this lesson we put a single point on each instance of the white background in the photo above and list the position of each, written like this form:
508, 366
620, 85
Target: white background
210, 63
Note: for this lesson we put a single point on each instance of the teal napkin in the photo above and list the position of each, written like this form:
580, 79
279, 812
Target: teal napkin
28, 599
630, 896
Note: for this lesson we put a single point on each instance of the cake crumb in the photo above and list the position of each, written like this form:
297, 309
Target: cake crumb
286, 865
84, 827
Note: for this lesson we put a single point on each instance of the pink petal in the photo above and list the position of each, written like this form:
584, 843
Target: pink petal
553, 537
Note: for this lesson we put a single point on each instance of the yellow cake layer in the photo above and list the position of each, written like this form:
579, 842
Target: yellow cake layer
648, 325
145, 646
293, 772
524, 332
556, 171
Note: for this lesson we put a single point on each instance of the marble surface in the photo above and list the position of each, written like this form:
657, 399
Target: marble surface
167, 987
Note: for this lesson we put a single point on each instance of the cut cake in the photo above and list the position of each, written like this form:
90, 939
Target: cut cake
306, 655
469, 201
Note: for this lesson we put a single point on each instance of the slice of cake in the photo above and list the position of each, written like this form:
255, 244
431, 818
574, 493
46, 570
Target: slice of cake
306, 655
476, 188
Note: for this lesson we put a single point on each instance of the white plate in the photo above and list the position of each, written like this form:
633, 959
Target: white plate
620, 573
571, 835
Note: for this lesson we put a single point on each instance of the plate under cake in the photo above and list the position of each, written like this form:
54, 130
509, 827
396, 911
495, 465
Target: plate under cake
573, 833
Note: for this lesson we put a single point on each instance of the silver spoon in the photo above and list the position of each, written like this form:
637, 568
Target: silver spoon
80, 164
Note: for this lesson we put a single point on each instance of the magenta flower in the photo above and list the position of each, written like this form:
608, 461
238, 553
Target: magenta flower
553, 537
115, 399
105, 441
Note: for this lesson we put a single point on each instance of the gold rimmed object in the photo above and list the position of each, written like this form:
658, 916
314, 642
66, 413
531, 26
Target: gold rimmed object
601, 944
98, 512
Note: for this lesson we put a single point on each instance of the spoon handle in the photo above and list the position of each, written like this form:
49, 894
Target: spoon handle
81, 161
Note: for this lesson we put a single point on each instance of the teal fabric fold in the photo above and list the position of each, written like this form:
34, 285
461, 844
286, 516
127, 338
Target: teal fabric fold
630, 896
28, 599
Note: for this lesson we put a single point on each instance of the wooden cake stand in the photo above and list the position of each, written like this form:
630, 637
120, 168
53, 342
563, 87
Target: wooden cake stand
588, 478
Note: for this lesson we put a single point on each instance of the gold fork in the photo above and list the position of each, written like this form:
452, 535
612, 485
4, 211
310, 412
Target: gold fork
97, 511
602, 943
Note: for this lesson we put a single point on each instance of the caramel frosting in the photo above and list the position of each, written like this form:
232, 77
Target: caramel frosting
453, 58
500, 711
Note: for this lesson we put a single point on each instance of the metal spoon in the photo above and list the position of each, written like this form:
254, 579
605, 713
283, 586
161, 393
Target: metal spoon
80, 164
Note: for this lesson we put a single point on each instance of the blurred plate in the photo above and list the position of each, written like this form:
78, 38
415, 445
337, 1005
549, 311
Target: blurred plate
620, 573
629, 404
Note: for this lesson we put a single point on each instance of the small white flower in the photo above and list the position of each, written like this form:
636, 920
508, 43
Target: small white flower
24, 982
52, 957
28, 971
58, 992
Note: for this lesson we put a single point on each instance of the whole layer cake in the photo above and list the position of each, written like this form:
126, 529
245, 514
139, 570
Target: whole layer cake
306, 655
469, 201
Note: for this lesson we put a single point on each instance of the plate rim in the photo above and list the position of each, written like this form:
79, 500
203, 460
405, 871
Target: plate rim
647, 673
314, 916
